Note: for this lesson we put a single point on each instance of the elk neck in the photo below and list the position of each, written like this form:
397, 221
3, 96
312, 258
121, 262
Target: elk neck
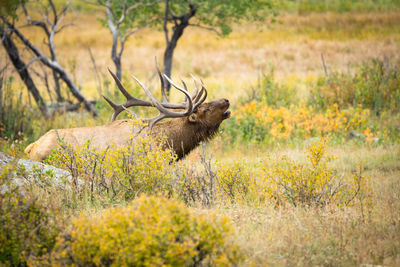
183, 136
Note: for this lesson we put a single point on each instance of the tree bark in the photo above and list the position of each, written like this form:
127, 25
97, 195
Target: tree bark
57, 87
114, 29
22, 69
116, 59
169, 52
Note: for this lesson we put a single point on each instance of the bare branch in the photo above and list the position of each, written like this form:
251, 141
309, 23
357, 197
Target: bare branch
35, 22
62, 13
123, 15
29, 63
53, 8
55, 66
206, 28
97, 75
64, 26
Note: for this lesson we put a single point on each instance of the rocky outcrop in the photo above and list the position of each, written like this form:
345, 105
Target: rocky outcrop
54, 173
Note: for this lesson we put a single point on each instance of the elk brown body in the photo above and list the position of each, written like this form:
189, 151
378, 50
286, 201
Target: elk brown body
199, 122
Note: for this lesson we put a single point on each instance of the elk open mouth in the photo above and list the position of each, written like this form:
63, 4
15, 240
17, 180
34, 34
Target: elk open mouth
227, 114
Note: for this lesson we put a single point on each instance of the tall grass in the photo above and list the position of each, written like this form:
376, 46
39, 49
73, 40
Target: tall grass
303, 6
375, 86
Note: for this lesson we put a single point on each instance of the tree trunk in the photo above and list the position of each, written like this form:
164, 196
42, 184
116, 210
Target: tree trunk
114, 29
22, 69
114, 55
116, 59
169, 51
57, 87
117, 63
168, 54
177, 33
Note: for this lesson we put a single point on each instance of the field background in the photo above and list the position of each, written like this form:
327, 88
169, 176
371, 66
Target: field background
347, 35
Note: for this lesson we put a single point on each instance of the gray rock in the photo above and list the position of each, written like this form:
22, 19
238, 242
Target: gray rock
55, 174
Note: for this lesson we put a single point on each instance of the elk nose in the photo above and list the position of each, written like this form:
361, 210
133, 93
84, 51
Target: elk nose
226, 100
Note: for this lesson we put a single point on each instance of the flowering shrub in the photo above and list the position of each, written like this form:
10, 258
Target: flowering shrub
257, 122
314, 183
234, 183
215, 182
143, 166
151, 231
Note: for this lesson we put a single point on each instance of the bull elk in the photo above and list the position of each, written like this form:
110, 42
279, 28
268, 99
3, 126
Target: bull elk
194, 121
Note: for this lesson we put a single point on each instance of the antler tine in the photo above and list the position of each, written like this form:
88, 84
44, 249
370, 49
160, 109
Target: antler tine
197, 95
190, 104
119, 108
203, 87
120, 86
161, 108
114, 106
154, 120
161, 116
164, 113
196, 86
199, 102
131, 101
186, 96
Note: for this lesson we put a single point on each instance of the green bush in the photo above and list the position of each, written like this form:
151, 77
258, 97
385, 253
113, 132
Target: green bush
28, 228
15, 116
314, 183
214, 182
117, 173
271, 92
375, 86
150, 232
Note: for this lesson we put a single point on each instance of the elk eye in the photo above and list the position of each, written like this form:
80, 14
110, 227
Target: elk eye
207, 110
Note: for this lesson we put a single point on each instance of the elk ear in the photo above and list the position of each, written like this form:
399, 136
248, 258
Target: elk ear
193, 117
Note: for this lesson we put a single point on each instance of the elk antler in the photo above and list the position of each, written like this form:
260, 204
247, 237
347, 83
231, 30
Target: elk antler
189, 105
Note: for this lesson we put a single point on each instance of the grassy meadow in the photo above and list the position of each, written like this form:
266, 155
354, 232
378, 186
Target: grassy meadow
305, 173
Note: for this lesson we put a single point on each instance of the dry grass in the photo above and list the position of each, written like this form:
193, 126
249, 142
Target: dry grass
331, 237
294, 236
275, 235
229, 65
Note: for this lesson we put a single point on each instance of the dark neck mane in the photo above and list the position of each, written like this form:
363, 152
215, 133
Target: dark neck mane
184, 136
